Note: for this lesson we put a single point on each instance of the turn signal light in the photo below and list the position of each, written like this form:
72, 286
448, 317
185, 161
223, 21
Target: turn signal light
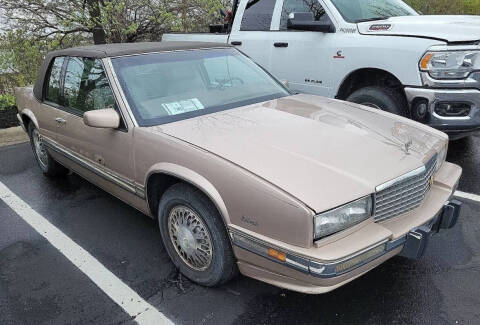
277, 255
426, 59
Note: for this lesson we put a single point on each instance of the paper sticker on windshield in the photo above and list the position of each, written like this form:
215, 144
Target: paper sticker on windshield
183, 106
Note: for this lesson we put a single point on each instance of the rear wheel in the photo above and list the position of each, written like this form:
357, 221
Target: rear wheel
195, 237
46, 163
386, 99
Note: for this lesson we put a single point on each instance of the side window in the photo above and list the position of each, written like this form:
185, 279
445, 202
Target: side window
312, 6
258, 15
86, 86
52, 93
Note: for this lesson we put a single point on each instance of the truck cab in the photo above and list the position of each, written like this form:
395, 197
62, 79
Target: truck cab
381, 54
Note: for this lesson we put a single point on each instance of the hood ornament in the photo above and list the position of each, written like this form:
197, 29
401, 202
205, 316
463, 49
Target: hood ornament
407, 146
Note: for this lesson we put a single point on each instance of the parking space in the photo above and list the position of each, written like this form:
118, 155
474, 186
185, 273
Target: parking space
40, 285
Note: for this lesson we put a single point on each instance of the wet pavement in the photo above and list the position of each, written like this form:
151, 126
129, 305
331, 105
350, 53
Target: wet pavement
38, 285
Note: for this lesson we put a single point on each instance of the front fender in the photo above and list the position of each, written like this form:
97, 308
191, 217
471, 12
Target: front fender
194, 179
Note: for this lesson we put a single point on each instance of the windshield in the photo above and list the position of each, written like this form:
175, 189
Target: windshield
356, 11
170, 86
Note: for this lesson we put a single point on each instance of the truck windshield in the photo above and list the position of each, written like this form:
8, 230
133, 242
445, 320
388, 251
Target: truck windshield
356, 11
171, 86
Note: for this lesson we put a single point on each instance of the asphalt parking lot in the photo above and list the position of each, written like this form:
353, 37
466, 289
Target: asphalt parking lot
39, 285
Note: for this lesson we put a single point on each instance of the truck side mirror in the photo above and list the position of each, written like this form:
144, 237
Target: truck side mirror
306, 21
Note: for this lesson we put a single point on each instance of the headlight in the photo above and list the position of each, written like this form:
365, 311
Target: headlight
450, 65
441, 156
342, 217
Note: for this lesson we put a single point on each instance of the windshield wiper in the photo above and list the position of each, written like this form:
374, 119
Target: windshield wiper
370, 19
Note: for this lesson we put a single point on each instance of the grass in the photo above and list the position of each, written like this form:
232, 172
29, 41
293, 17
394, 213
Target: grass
446, 7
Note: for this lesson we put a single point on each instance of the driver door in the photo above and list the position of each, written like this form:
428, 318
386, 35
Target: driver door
105, 156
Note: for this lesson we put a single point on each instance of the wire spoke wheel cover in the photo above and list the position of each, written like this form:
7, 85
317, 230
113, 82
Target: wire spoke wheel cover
40, 150
190, 237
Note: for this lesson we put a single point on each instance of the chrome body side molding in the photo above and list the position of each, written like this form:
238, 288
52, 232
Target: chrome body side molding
107, 175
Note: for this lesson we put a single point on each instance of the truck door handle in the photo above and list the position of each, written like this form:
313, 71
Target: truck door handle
280, 44
236, 43
60, 120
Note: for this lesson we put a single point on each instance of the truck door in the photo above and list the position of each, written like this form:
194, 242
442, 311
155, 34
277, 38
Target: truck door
303, 58
251, 29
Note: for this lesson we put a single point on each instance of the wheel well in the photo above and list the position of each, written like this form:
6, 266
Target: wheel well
157, 184
368, 77
26, 121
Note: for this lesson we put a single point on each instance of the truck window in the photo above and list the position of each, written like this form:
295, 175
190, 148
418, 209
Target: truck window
86, 86
52, 93
258, 15
312, 6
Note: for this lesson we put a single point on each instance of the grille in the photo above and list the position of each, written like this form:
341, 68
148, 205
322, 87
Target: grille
405, 193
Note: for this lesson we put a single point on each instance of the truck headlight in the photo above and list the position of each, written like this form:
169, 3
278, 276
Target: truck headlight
450, 64
342, 217
441, 156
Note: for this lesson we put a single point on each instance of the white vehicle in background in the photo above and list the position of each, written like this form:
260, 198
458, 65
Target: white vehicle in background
380, 53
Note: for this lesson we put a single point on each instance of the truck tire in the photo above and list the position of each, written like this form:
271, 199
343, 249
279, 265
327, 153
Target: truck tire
195, 236
386, 99
49, 167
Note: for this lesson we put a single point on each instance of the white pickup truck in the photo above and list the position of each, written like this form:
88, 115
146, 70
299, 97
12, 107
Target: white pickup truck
380, 53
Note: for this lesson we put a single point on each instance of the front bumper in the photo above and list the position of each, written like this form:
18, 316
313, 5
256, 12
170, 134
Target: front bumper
451, 125
413, 246
334, 262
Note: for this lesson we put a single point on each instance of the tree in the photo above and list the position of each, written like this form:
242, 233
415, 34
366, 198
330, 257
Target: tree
108, 21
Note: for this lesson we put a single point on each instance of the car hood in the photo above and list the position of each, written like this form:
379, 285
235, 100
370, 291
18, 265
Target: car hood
323, 152
447, 28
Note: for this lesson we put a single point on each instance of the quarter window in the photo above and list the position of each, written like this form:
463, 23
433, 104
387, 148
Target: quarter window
312, 6
86, 86
53, 88
258, 15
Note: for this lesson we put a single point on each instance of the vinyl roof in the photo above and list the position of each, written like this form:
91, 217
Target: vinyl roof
111, 50
118, 49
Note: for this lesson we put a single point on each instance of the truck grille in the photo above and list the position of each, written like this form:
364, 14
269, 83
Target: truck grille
404, 193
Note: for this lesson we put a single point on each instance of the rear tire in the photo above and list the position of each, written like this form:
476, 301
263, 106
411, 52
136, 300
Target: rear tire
49, 167
195, 236
386, 99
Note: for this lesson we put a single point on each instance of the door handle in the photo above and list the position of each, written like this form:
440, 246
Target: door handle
236, 43
60, 120
280, 44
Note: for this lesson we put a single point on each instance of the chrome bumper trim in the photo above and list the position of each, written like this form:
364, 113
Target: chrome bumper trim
414, 244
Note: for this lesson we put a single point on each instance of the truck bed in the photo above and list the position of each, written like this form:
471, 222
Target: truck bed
196, 37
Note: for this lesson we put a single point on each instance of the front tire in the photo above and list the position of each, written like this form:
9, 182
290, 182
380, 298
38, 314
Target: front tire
46, 163
386, 99
195, 237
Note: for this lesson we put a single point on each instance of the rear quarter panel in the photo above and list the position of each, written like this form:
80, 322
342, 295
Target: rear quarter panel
42, 115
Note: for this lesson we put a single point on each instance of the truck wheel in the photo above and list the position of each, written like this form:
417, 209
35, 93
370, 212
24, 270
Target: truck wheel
195, 237
386, 99
48, 166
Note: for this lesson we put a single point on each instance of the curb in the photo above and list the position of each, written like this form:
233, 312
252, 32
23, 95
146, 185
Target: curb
12, 136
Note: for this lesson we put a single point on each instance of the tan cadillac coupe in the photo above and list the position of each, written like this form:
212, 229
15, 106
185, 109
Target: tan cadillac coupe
299, 191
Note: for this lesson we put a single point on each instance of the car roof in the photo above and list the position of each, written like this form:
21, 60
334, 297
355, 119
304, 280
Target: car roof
113, 50
119, 49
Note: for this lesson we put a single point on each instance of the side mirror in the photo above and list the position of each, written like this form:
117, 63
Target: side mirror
102, 118
306, 21
284, 82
